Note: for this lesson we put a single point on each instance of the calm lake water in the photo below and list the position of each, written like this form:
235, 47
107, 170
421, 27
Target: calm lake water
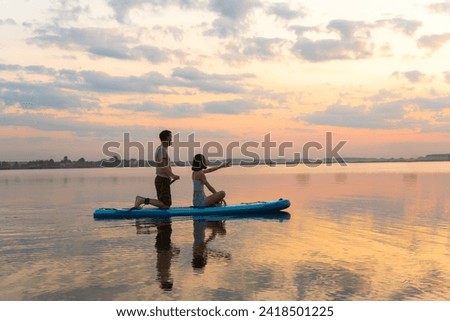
361, 232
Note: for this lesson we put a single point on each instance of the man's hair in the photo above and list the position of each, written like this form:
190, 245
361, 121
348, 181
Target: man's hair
164, 135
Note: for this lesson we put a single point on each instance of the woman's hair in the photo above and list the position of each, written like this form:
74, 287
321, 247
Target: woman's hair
199, 162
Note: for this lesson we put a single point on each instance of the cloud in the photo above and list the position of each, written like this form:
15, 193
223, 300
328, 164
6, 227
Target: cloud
440, 7
230, 107
101, 42
42, 95
301, 30
216, 83
434, 42
182, 110
353, 43
186, 110
225, 27
176, 32
285, 11
356, 117
447, 76
355, 40
152, 54
232, 16
264, 48
348, 29
96, 41
154, 82
406, 26
322, 50
122, 8
102, 82
235, 10
6, 22
413, 76
391, 115
438, 104
254, 48
32, 69
147, 106
68, 10
80, 128
70, 89
42, 122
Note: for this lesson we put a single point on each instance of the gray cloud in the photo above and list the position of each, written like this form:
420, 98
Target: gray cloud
413, 76
225, 27
102, 82
68, 10
356, 117
434, 42
437, 104
263, 48
440, 7
80, 89
232, 16
254, 48
348, 29
390, 115
51, 123
10, 22
216, 83
233, 9
329, 49
141, 107
285, 11
100, 42
354, 43
355, 39
231, 107
175, 32
122, 8
447, 76
300, 30
406, 26
41, 95
184, 110
48, 122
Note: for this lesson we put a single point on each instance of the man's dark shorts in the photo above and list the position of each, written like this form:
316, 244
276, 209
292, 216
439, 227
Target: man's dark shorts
162, 185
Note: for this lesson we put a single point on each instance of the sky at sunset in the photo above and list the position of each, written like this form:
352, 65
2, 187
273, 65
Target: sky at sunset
76, 74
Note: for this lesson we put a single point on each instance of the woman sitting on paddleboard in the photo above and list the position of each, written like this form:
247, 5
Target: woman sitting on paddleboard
199, 169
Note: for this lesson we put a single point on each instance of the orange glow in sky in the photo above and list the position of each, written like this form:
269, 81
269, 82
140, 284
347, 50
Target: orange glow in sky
84, 72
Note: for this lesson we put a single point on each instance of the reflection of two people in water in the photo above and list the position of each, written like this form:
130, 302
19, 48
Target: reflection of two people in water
166, 250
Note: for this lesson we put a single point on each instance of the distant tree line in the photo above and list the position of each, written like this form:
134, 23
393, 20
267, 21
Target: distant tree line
50, 163
117, 162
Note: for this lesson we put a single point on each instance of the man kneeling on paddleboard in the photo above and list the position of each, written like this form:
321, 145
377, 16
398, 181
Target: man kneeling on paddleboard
164, 175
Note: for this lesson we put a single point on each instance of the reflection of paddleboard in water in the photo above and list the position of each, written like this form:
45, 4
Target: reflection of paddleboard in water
234, 209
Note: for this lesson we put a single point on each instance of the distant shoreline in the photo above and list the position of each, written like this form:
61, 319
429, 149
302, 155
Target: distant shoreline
116, 163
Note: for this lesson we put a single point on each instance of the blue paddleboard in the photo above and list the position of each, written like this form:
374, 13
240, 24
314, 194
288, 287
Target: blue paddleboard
244, 209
